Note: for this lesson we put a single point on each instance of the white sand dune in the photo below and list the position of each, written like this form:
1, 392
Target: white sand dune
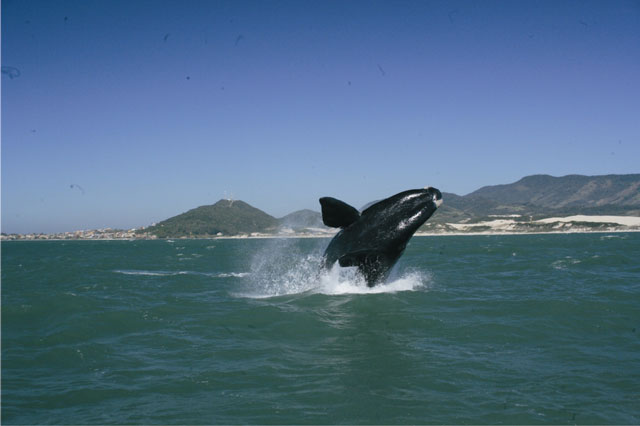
621, 220
498, 224
562, 224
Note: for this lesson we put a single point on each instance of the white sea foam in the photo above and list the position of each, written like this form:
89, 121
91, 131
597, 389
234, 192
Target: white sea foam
609, 237
149, 273
563, 264
173, 273
231, 274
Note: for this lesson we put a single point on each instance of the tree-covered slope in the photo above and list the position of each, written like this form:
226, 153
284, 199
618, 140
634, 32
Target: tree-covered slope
225, 217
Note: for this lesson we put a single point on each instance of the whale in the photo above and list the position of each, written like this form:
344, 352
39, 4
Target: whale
373, 240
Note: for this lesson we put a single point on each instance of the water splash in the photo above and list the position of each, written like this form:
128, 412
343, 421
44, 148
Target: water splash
282, 270
350, 281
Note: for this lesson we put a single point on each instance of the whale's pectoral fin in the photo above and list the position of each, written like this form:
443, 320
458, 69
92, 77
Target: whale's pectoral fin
374, 266
337, 214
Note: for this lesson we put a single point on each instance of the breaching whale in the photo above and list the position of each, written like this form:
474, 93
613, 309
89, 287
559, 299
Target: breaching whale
374, 239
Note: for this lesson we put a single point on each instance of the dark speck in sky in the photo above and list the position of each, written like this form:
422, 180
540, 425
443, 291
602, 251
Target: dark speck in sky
188, 78
452, 14
11, 72
66, 19
73, 185
381, 70
239, 38
166, 36
349, 83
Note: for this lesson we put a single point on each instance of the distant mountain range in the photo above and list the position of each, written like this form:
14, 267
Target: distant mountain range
542, 196
534, 197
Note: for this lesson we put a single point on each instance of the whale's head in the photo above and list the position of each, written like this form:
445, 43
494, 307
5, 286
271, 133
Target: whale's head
404, 213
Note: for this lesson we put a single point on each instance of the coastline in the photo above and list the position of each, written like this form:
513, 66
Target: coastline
319, 236
498, 226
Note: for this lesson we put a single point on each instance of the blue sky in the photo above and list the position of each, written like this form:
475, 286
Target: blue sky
125, 113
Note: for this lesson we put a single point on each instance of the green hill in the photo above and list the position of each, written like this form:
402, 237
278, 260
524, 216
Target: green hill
224, 217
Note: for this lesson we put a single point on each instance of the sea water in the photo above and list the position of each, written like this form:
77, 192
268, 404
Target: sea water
469, 329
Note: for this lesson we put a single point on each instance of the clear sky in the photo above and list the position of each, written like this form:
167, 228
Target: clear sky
124, 113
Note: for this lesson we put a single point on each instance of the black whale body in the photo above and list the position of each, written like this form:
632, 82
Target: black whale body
375, 239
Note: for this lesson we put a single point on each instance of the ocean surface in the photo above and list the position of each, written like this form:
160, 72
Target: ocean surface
535, 329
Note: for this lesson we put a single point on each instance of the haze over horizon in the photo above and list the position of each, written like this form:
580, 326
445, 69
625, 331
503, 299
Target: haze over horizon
124, 113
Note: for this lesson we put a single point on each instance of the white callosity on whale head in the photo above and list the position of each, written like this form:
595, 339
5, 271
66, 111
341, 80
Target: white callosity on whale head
436, 200
405, 222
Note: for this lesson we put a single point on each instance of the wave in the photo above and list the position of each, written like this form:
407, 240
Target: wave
173, 273
563, 264
612, 236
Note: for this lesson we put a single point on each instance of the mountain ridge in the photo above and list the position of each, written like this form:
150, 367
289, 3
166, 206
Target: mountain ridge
579, 190
534, 197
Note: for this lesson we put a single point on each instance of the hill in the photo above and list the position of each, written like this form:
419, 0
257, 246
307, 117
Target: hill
225, 217
302, 219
